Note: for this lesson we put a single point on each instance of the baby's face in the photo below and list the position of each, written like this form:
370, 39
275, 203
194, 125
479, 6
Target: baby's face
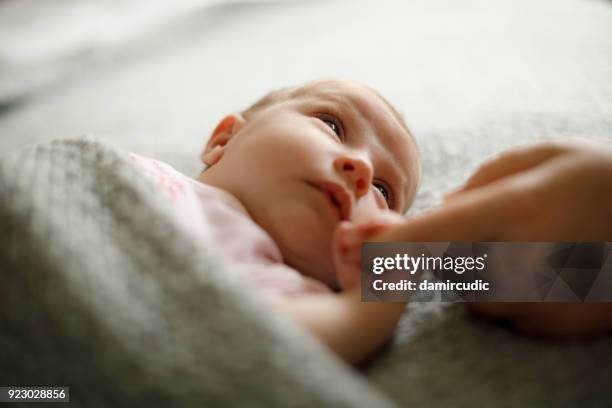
335, 151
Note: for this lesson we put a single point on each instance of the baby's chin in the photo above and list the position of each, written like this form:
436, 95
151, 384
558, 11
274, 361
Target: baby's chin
304, 239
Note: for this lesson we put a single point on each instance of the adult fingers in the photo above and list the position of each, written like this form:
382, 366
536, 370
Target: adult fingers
510, 162
485, 214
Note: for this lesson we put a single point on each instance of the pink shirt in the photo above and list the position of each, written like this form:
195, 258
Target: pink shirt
215, 216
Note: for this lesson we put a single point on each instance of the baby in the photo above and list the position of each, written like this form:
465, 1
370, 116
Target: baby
292, 186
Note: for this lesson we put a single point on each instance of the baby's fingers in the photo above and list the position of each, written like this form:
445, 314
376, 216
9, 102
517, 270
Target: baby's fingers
346, 255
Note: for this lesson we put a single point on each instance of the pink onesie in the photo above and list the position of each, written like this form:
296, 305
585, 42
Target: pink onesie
215, 216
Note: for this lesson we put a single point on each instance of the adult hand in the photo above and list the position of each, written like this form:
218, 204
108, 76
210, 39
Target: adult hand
551, 191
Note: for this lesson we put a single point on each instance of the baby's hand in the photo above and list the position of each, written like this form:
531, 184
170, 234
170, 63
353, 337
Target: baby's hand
346, 245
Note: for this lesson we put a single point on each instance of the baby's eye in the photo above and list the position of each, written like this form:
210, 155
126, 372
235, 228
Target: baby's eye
385, 192
334, 124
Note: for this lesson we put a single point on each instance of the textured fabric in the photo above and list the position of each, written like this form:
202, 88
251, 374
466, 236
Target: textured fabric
103, 291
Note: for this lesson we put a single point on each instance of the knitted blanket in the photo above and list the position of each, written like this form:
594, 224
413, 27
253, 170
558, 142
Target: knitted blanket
102, 291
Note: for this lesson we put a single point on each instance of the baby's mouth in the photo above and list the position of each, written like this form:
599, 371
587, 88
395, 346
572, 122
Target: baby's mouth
337, 196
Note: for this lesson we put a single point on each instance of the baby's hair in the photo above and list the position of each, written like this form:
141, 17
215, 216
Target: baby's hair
275, 96
283, 94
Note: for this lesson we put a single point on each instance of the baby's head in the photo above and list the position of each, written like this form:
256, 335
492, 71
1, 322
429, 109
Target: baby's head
302, 159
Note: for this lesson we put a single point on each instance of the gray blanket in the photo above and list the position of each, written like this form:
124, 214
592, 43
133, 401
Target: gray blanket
103, 292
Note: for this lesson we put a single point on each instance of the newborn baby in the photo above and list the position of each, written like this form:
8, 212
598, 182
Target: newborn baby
292, 186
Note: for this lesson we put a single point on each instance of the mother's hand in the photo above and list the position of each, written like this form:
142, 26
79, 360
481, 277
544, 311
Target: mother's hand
552, 191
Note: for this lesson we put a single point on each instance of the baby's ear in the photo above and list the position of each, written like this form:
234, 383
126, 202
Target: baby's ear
225, 130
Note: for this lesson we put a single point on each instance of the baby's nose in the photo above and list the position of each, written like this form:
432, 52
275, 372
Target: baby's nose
357, 172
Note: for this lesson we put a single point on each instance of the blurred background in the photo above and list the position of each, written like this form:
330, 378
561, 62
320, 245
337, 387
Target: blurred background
154, 76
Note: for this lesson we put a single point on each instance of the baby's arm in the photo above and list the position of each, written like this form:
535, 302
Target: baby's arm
349, 327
